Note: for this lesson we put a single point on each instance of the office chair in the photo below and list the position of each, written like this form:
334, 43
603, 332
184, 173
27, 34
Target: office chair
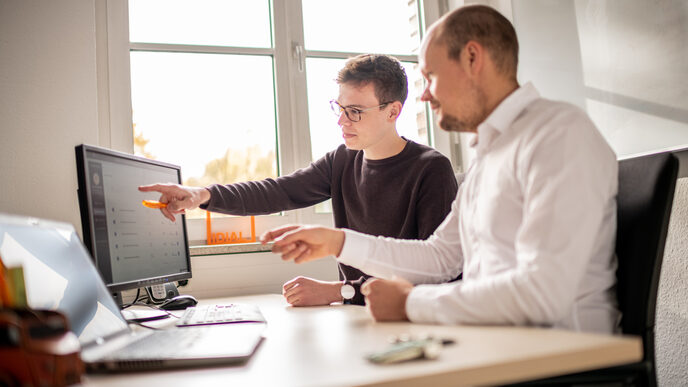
644, 201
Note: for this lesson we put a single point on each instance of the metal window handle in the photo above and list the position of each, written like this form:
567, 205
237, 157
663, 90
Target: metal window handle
299, 56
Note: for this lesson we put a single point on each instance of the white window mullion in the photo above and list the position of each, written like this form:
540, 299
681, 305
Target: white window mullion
290, 70
448, 144
165, 47
347, 55
114, 79
430, 11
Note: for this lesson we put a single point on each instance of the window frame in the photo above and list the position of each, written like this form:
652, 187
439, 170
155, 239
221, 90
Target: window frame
293, 148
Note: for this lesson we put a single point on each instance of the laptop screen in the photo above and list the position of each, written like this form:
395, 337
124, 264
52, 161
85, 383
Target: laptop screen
60, 275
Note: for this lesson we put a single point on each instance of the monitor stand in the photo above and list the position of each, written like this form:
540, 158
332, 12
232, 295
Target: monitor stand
117, 296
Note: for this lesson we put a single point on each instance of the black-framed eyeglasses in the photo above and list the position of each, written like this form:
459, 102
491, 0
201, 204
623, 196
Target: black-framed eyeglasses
352, 113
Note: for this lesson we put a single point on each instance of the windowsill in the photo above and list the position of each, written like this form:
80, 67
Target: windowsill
239, 248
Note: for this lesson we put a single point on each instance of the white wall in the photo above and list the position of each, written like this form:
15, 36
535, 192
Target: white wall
255, 273
551, 60
624, 62
48, 104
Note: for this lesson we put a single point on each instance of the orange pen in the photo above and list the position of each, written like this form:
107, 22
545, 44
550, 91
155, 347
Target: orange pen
154, 204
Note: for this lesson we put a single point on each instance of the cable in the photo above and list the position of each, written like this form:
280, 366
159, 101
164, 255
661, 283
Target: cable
136, 299
157, 308
143, 325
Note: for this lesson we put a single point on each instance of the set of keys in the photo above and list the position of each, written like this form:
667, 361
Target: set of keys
405, 347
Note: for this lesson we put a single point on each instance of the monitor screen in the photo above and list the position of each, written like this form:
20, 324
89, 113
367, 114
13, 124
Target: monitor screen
132, 245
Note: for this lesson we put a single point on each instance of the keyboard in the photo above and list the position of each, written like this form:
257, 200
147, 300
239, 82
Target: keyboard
161, 344
220, 314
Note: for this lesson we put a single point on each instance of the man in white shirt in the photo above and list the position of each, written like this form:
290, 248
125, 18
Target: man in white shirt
533, 224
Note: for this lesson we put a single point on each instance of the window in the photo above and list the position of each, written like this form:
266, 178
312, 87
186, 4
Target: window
329, 41
216, 84
198, 98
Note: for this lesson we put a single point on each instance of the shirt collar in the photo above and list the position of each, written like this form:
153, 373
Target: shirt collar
504, 114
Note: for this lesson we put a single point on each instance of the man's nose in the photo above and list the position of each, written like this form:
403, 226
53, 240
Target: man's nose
343, 120
426, 96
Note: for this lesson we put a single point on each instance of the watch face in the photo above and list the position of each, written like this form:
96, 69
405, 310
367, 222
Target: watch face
348, 291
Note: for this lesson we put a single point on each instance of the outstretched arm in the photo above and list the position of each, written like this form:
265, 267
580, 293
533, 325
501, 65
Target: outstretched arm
304, 243
379, 256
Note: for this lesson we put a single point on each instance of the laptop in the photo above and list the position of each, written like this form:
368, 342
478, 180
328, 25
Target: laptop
60, 275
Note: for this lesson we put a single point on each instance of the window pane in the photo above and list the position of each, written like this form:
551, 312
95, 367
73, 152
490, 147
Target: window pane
205, 113
201, 22
325, 133
389, 26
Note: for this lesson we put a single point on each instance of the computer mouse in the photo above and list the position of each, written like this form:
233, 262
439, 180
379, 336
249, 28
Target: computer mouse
179, 302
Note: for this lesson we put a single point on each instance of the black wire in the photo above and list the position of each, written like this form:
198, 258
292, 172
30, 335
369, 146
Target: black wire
136, 299
157, 308
152, 307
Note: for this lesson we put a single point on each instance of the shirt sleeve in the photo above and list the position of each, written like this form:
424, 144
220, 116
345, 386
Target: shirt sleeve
387, 257
568, 196
303, 188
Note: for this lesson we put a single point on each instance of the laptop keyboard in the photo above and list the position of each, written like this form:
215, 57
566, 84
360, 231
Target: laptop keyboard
220, 314
160, 344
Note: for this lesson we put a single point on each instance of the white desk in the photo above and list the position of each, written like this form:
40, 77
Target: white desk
325, 346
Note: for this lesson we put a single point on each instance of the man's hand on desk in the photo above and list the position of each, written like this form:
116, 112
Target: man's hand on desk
304, 243
386, 299
303, 291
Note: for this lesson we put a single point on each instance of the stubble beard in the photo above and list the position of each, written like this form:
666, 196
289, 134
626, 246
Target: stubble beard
475, 114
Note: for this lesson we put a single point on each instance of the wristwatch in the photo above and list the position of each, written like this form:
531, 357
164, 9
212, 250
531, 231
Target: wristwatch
348, 292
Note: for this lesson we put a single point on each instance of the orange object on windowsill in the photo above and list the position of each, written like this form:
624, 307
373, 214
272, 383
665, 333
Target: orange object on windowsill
227, 238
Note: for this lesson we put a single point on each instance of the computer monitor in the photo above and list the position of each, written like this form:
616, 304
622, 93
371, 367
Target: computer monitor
132, 246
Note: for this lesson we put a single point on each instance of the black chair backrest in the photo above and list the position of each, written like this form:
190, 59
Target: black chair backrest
646, 192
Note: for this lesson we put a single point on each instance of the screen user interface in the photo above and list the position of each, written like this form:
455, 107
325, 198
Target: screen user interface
132, 242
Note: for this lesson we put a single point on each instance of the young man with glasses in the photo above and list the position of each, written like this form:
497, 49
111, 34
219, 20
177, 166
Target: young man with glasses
380, 183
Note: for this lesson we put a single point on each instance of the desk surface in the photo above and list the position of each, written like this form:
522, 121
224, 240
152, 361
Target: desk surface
325, 346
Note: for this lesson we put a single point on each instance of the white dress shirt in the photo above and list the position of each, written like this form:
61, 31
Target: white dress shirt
532, 228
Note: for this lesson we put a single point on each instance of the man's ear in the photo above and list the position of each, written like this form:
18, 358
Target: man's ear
473, 57
395, 111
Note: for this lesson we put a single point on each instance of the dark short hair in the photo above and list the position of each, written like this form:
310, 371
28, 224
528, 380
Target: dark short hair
383, 71
486, 26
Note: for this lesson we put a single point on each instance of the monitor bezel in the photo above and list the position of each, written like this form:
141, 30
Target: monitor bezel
87, 226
